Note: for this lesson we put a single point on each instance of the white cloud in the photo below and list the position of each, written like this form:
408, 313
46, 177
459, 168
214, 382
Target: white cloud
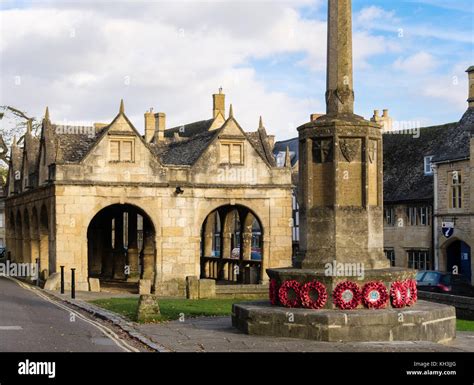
421, 62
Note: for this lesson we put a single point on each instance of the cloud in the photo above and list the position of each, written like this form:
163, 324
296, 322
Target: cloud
421, 62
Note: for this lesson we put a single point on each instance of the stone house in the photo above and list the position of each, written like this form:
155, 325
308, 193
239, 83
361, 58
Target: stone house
203, 199
2, 213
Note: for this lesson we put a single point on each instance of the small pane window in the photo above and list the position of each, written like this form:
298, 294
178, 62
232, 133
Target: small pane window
428, 165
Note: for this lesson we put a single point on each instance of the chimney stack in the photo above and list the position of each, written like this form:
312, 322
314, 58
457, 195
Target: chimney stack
218, 104
470, 100
160, 126
149, 125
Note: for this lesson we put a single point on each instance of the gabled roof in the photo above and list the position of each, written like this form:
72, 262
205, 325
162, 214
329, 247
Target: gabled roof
73, 147
191, 129
457, 141
184, 151
260, 142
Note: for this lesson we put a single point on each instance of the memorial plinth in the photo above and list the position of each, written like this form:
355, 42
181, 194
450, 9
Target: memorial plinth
341, 226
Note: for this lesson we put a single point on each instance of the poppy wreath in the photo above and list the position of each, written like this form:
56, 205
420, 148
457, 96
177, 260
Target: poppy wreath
289, 293
313, 295
398, 294
273, 292
411, 292
347, 295
375, 295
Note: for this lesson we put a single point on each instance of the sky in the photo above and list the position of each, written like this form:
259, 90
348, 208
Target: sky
81, 57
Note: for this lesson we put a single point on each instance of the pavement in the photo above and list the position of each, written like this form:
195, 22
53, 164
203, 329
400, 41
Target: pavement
31, 322
216, 334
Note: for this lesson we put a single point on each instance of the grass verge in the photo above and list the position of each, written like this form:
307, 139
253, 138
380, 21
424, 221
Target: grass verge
171, 309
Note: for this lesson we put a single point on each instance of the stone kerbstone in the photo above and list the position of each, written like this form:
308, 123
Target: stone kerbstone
148, 307
207, 288
423, 322
144, 286
94, 285
192, 287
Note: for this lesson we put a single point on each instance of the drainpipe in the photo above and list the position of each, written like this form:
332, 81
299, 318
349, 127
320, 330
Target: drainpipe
435, 218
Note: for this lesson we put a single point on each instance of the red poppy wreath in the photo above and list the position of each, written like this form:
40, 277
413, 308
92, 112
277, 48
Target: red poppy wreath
313, 295
289, 294
346, 295
273, 292
398, 294
375, 295
411, 292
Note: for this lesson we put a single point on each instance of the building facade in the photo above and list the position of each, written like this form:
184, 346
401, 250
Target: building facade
203, 199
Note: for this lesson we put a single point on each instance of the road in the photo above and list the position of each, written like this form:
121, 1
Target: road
31, 322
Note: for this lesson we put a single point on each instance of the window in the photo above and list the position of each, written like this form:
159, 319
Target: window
425, 215
296, 219
456, 190
412, 215
390, 216
390, 254
121, 150
419, 259
232, 153
428, 165
2, 219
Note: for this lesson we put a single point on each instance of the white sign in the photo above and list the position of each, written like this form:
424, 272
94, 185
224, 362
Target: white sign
448, 224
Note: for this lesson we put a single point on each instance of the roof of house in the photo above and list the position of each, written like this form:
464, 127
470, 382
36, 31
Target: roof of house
74, 146
191, 129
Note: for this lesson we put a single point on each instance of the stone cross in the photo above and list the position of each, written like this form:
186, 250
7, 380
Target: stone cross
340, 92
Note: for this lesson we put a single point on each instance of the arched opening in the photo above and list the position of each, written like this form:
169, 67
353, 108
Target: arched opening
26, 237
19, 238
11, 241
121, 244
47, 264
458, 259
232, 246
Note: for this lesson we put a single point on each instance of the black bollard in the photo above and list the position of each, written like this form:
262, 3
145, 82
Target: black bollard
62, 279
37, 272
73, 283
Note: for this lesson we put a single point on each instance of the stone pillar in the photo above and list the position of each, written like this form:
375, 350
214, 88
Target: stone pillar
148, 251
119, 251
107, 254
208, 235
340, 90
44, 252
132, 262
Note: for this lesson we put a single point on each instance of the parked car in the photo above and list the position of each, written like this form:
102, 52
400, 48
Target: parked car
440, 282
3, 254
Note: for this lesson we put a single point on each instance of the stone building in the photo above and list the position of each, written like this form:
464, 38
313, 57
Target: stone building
203, 199
427, 183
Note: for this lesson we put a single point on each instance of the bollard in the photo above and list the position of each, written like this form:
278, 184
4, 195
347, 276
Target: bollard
37, 272
62, 279
73, 283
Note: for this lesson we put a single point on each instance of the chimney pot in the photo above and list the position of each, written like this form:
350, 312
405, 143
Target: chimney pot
385, 113
160, 126
149, 126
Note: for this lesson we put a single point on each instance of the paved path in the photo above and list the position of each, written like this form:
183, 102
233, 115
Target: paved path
32, 323
216, 334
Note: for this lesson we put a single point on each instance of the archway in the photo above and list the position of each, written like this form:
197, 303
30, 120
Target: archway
26, 237
19, 238
232, 246
458, 254
121, 244
11, 241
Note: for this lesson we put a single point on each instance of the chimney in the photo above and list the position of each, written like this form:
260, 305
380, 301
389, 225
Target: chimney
385, 113
149, 125
470, 100
218, 104
376, 116
160, 126
313, 117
